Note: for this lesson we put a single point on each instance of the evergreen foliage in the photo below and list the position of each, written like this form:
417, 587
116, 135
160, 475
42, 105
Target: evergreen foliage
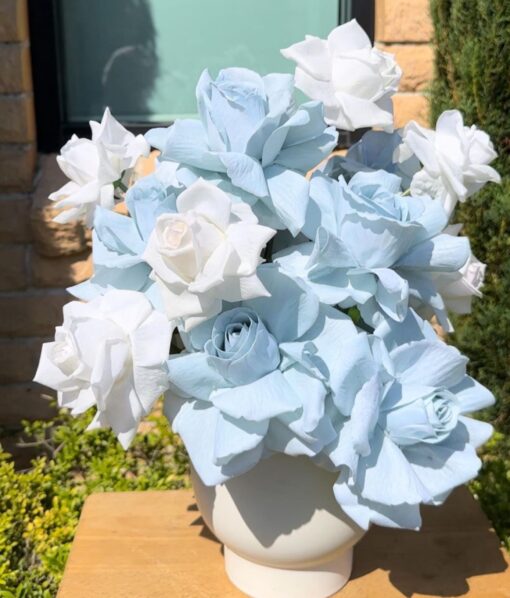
472, 40
40, 507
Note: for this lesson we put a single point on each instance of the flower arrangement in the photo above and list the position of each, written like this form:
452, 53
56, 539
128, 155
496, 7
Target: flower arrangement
278, 310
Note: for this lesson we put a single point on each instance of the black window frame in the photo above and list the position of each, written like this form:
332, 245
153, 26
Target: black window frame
53, 129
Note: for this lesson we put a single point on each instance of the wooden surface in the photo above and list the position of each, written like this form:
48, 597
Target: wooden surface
154, 545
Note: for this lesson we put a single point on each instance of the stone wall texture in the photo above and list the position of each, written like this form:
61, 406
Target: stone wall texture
39, 258
404, 28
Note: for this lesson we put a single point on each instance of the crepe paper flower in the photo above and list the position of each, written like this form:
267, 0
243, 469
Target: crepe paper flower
109, 353
374, 151
455, 159
354, 80
94, 166
403, 435
118, 241
374, 248
251, 134
256, 382
205, 253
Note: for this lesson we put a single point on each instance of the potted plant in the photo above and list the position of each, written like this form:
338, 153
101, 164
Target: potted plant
283, 316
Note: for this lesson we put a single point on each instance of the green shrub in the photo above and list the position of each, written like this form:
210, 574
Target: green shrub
40, 507
472, 39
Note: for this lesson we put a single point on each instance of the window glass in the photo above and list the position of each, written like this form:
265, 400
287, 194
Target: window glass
143, 57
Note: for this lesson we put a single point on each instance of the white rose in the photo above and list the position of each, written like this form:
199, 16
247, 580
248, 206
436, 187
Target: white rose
458, 290
455, 159
109, 353
205, 253
354, 80
93, 165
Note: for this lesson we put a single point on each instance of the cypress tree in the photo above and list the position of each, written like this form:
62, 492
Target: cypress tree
472, 41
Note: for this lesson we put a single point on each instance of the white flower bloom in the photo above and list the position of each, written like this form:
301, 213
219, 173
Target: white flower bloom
205, 253
93, 165
109, 353
458, 290
354, 80
455, 159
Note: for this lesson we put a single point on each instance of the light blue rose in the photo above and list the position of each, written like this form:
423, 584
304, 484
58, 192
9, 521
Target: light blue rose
118, 241
374, 247
240, 348
254, 383
403, 435
374, 151
251, 134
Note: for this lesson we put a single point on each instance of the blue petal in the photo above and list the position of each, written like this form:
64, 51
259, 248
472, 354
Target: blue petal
244, 172
472, 395
365, 512
442, 467
289, 194
443, 253
236, 436
193, 377
267, 397
300, 307
429, 363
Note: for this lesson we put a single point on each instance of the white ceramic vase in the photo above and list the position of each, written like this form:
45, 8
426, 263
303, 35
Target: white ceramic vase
284, 534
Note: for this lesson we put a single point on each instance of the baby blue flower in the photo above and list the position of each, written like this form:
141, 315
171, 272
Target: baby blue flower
403, 435
374, 151
252, 135
255, 382
118, 241
374, 247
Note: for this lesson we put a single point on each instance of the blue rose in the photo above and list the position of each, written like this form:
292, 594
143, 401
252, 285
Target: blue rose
400, 410
374, 151
375, 247
251, 134
255, 382
240, 348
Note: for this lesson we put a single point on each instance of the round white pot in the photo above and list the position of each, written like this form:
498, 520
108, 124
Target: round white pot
284, 534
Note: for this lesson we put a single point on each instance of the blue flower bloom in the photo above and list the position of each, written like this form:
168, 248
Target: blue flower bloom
118, 241
252, 135
374, 151
403, 436
374, 247
256, 382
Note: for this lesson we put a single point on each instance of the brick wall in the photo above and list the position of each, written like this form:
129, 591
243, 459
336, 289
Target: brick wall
404, 28
38, 258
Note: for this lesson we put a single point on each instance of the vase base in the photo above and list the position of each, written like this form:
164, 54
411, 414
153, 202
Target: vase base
262, 581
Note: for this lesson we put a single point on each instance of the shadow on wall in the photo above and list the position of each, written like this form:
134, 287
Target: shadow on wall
120, 65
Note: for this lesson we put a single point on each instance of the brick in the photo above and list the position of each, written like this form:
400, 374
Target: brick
15, 72
416, 62
36, 314
17, 118
403, 21
13, 268
13, 20
19, 359
412, 106
61, 271
52, 239
14, 219
17, 166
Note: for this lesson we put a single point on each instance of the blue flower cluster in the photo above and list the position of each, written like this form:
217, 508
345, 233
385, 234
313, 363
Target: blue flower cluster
331, 359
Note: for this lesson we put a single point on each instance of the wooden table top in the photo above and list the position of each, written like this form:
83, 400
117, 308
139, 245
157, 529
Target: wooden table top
154, 545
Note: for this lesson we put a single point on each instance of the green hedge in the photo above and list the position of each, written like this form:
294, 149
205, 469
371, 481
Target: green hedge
40, 507
472, 39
